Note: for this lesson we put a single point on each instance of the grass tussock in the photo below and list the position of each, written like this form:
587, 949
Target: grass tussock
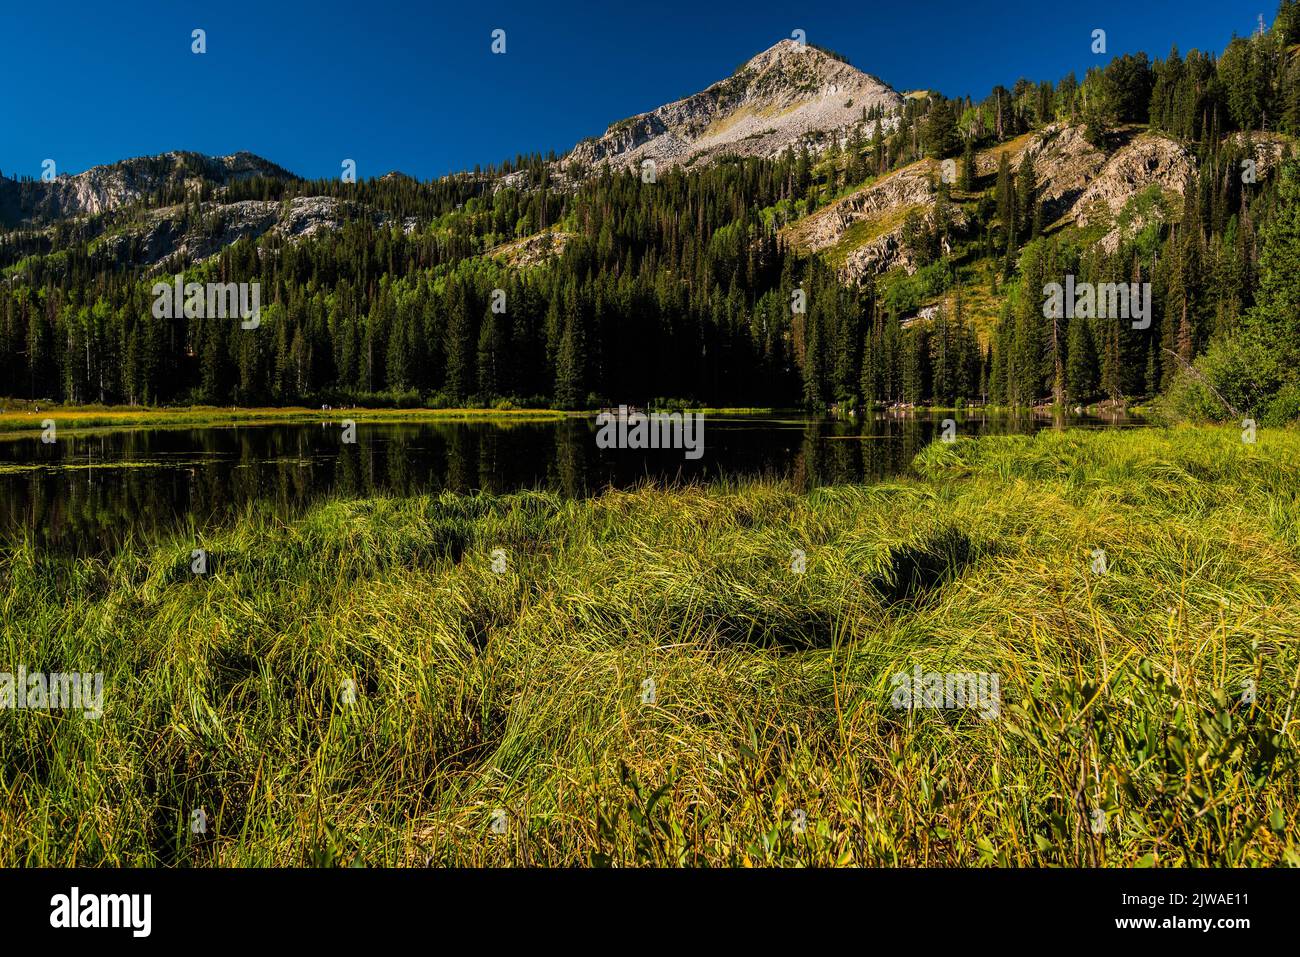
649, 680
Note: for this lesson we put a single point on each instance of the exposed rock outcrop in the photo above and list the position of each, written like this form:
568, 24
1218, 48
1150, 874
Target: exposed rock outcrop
1150, 160
165, 233
102, 189
1267, 149
911, 186
863, 231
1064, 164
532, 250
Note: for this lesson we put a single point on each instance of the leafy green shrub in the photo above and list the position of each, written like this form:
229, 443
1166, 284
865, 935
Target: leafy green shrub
1285, 407
1241, 371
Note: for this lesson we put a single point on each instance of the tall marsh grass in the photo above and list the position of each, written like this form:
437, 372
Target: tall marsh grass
360, 685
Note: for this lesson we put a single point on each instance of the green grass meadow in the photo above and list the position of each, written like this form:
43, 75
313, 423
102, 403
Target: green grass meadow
643, 678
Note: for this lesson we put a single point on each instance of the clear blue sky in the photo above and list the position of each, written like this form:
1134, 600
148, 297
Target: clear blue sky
415, 87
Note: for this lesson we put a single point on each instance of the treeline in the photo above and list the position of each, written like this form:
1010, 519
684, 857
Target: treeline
1253, 85
670, 288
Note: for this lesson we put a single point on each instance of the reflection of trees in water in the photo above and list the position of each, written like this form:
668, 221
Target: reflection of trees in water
916, 434
207, 476
882, 445
298, 480
347, 471
574, 441
462, 459
399, 464
839, 451
490, 462
842, 462
804, 471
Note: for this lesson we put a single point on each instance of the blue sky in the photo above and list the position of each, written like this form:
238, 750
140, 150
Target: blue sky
415, 87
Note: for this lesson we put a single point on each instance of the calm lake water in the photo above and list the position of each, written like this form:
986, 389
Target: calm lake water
85, 492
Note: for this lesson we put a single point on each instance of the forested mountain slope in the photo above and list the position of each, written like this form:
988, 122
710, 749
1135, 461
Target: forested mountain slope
803, 235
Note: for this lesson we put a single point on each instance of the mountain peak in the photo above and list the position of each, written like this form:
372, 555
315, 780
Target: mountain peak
790, 93
790, 49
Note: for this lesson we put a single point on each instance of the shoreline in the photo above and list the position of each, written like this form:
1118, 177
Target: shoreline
18, 423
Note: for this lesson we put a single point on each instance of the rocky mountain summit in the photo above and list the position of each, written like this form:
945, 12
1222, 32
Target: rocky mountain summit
789, 93
102, 189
